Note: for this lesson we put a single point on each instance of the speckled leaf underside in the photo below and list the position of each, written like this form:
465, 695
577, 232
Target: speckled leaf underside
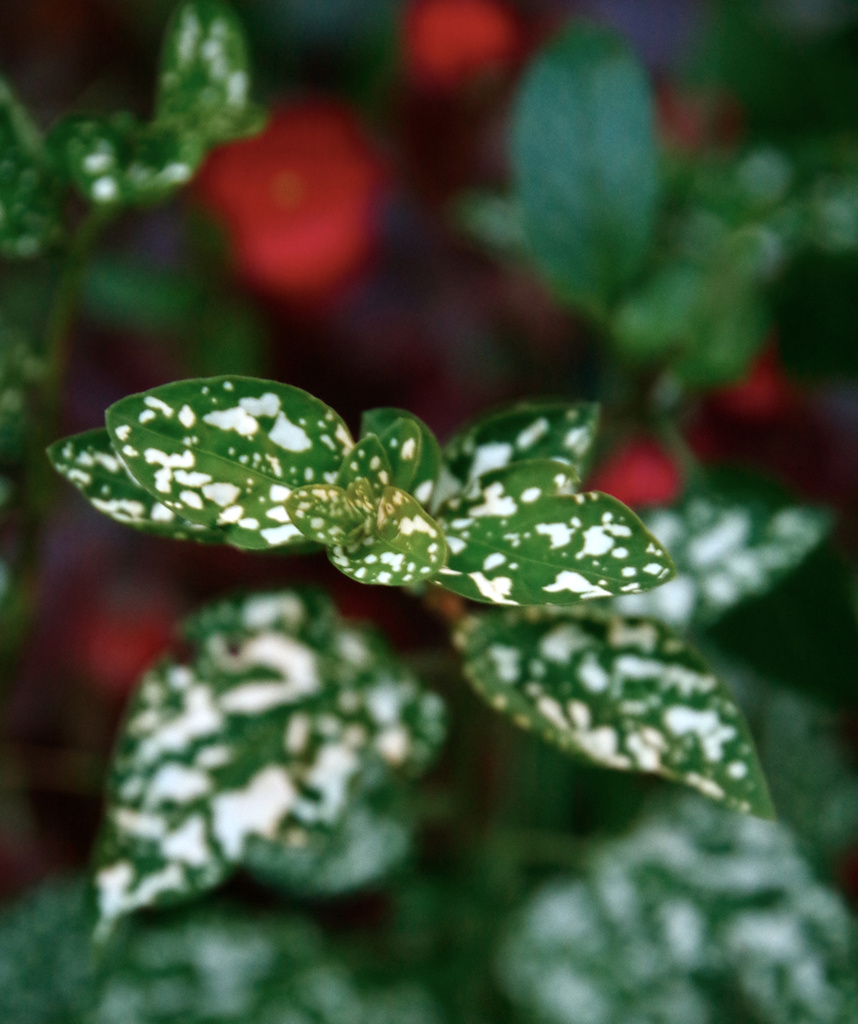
620, 693
728, 543
226, 452
517, 536
283, 714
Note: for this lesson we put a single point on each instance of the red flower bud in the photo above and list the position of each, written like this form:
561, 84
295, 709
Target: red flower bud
641, 473
449, 43
298, 201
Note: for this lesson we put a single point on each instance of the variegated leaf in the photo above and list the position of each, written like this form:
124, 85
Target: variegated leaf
116, 161
517, 536
404, 545
324, 513
90, 463
698, 917
204, 81
283, 712
730, 540
620, 693
412, 449
364, 848
216, 964
30, 197
368, 462
225, 452
531, 430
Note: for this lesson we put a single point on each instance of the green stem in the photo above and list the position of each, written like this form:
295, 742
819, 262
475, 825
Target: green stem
16, 618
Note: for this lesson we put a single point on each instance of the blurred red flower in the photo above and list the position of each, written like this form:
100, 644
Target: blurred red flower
640, 474
299, 201
449, 43
115, 646
766, 393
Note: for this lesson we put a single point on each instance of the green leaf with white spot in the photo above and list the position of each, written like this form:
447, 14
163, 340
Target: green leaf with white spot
366, 463
116, 161
204, 80
89, 462
731, 537
324, 513
517, 536
219, 963
402, 544
530, 430
282, 713
226, 452
698, 917
368, 845
619, 693
412, 449
585, 164
30, 196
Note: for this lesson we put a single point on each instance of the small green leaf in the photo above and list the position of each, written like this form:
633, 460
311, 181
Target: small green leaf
731, 537
204, 81
411, 447
367, 462
323, 513
620, 693
530, 430
585, 164
116, 161
282, 713
404, 545
89, 462
494, 222
517, 536
226, 452
30, 198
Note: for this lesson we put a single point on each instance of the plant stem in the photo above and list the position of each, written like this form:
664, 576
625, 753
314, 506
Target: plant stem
16, 618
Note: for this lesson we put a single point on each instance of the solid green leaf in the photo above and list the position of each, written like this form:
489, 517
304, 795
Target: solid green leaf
494, 222
731, 538
281, 714
89, 462
697, 916
20, 369
204, 80
30, 198
620, 693
116, 161
403, 544
226, 452
528, 430
517, 536
585, 164
412, 449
